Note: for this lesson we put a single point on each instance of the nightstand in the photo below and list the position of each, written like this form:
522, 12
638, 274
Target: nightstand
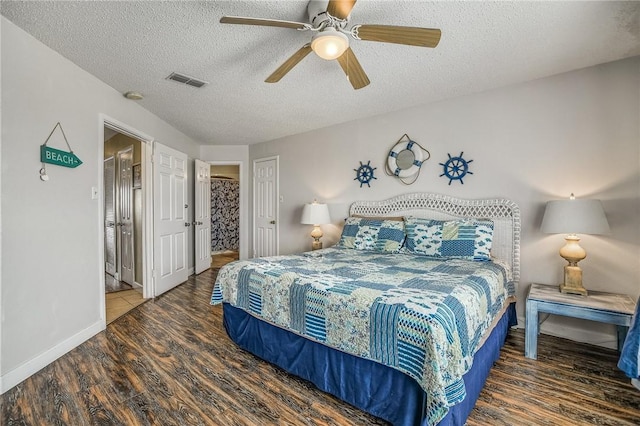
598, 306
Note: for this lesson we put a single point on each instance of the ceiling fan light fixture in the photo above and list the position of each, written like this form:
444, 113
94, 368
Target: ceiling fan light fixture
329, 44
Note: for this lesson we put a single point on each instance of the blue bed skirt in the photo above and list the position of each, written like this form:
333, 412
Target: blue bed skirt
630, 357
368, 385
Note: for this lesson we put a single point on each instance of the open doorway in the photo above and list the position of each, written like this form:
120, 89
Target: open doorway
123, 223
225, 213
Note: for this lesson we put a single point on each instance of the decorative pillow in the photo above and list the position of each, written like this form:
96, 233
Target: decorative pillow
381, 235
465, 239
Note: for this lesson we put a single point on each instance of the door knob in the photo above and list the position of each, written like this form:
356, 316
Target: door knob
187, 224
273, 222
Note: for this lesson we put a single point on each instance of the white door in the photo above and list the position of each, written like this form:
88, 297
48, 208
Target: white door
170, 218
202, 221
265, 207
124, 162
110, 216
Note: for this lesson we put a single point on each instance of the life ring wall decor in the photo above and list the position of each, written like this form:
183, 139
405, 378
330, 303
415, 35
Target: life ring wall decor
405, 160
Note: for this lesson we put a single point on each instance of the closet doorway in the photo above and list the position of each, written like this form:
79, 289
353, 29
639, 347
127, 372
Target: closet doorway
225, 213
123, 221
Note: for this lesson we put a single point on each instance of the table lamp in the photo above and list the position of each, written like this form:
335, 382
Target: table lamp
573, 217
315, 214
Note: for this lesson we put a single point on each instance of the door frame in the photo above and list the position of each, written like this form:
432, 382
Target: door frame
277, 202
146, 152
242, 250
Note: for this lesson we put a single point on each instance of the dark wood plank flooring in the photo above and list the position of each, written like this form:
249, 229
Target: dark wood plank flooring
169, 362
221, 259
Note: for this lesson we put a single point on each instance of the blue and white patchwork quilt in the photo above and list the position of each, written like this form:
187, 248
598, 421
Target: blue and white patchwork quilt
421, 315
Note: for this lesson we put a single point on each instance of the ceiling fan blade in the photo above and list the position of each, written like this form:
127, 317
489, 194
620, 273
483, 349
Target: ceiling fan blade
353, 69
412, 36
289, 64
340, 8
264, 22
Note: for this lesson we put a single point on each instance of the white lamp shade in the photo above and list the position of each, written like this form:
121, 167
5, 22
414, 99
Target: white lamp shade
574, 216
329, 44
315, 214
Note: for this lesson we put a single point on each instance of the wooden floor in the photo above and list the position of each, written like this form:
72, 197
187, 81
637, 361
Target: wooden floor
221, 259
169, 362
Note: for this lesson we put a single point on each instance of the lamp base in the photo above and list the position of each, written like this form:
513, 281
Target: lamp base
573, 281
316, 234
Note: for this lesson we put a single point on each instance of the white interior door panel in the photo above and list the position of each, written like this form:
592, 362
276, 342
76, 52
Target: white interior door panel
170, 223
265, 206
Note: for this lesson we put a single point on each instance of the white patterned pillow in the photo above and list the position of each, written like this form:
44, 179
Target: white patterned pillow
465, 239
365, 238
423, 236
383, 235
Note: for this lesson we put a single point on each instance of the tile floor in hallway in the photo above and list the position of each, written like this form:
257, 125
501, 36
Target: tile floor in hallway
111, 284
121, 302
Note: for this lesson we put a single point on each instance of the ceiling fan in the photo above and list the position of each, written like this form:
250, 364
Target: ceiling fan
331, 25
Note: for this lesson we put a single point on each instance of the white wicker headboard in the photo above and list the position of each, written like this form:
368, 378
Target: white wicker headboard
504, 213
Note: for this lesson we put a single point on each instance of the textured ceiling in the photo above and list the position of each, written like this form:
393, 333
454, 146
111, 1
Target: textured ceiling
135, 45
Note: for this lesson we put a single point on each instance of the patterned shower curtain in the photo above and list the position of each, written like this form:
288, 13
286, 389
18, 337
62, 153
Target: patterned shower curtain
225, 214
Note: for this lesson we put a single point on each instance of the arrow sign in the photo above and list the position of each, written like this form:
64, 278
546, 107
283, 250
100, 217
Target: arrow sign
58, 157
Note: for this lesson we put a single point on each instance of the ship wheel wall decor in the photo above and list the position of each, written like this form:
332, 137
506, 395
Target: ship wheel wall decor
455, 168
364, 173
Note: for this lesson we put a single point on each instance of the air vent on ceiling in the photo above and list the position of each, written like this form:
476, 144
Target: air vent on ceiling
181, 78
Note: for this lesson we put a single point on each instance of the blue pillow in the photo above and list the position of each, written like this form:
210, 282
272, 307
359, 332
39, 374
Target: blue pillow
382, 235
465, 239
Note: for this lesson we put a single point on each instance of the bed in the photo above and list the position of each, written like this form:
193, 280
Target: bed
403, 318
629, 361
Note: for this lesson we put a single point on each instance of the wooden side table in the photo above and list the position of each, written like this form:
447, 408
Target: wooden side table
597, 306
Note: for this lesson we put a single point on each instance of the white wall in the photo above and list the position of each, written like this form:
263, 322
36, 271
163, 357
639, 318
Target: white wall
575, 132
50, 230
1, 156
234, 154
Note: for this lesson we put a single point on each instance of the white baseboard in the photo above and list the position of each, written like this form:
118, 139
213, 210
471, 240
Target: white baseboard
192, 271
26, 370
